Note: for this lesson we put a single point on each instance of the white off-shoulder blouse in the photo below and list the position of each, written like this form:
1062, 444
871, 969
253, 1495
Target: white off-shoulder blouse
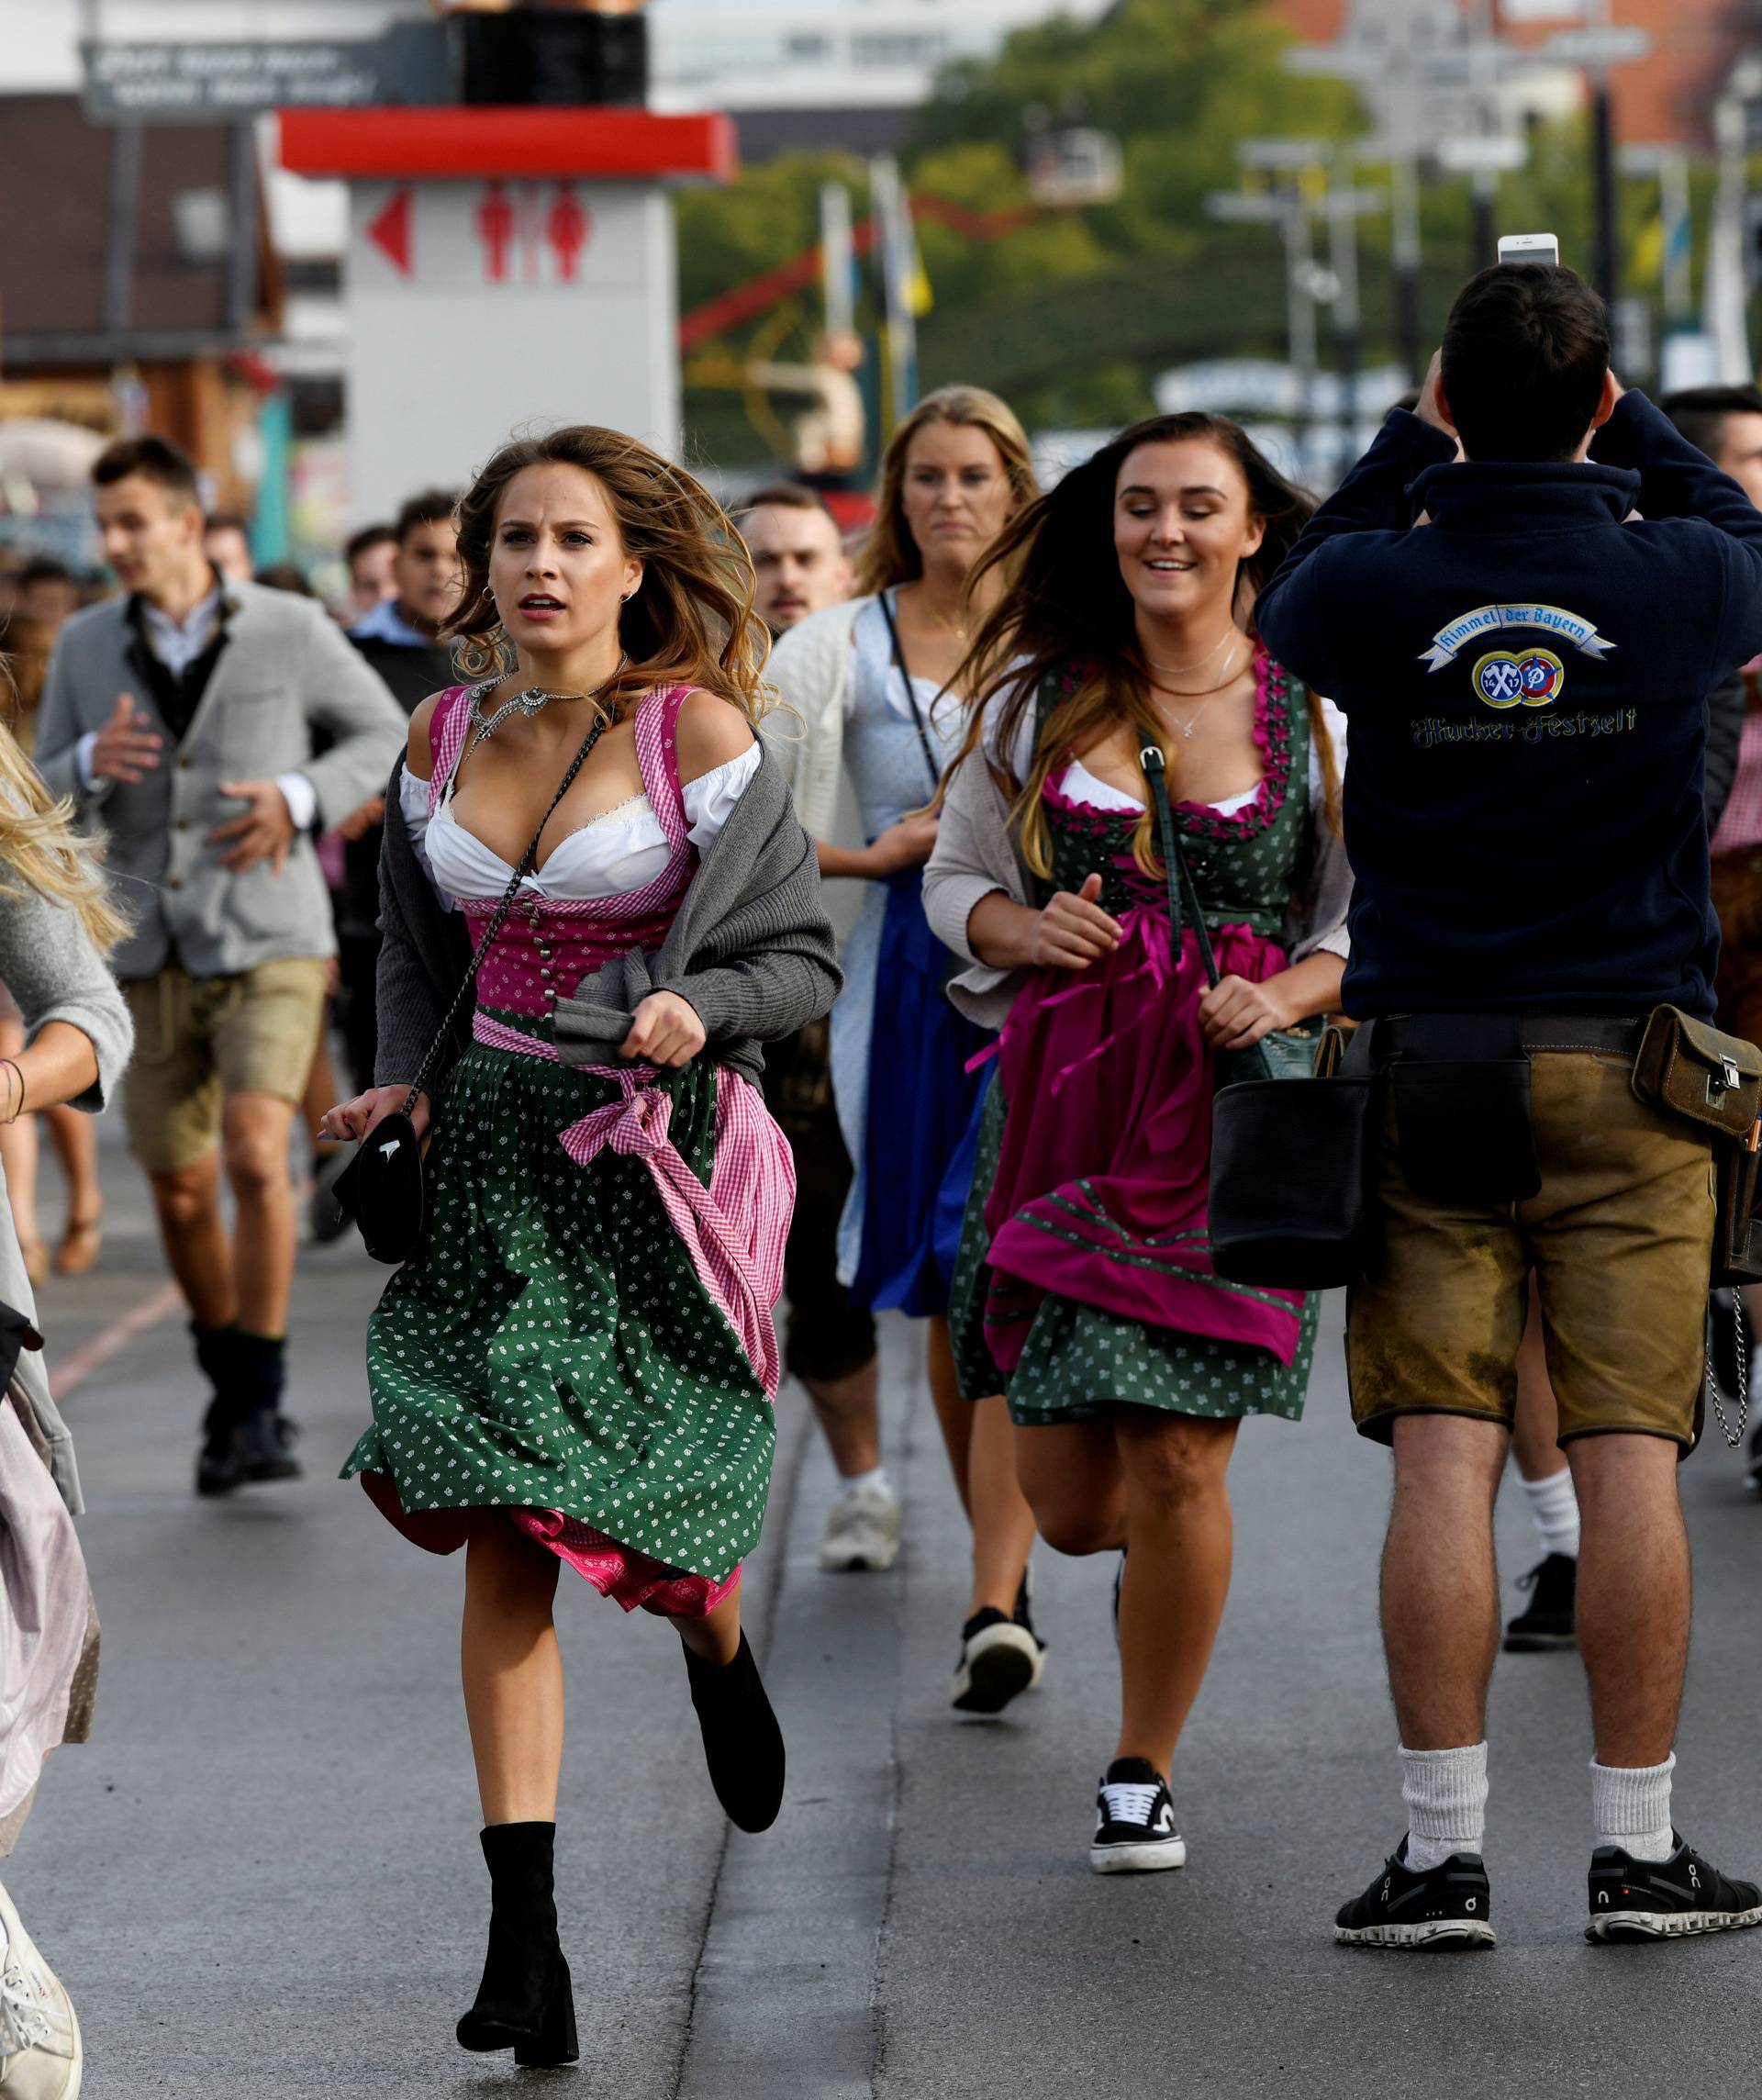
620, 850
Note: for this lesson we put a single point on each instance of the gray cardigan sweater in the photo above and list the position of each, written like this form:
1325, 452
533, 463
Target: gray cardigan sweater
54, 973
750, 948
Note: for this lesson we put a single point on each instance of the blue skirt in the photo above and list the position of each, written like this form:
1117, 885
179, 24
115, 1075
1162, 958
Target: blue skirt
923, 1115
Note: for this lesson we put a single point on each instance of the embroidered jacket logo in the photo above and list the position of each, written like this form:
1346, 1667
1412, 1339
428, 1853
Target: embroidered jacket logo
1554, 620
1504, 679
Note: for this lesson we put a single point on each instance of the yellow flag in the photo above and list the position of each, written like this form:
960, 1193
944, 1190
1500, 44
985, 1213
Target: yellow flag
1648, 250
918, 298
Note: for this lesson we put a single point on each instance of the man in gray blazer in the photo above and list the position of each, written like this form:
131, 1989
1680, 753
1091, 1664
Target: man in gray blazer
204, 727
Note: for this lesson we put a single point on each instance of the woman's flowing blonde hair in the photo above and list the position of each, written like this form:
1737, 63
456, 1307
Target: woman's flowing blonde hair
1065, 609
41, 850
890, 555
690, 622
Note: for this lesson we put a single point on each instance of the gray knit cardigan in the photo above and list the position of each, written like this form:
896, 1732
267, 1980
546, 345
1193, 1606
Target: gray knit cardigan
750, 948
54, 973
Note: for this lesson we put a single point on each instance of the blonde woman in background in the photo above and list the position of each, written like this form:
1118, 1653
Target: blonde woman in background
874, 682
56, 924
46, 596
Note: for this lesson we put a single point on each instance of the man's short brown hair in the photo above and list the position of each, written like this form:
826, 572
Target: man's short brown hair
1525, 351
785, 495
1701, 413
433, 507
154, 459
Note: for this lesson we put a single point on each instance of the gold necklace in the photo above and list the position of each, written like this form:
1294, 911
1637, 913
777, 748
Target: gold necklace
1181, 669
1231, 670
944, 622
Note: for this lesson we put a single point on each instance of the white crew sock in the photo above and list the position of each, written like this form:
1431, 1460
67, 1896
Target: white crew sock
1630, 1806
1554, 1507
873, 1482
1446, 1792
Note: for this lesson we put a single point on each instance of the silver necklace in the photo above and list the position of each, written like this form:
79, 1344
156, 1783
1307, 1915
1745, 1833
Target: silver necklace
530, 702
1186, 728
1181, 669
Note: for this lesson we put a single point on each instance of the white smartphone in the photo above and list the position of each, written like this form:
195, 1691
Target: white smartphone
1530, 248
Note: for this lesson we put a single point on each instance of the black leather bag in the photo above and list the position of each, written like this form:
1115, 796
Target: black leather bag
386, 1186
1289, 1204
1290, 1129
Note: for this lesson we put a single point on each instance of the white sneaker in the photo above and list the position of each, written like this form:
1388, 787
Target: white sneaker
862, 1531
41, 2053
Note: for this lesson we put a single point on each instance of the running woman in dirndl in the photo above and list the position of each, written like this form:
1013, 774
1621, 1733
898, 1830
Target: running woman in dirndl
1085, 1290
578, 1367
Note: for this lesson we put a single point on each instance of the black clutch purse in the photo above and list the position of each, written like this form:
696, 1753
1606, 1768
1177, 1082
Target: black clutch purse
384, 1187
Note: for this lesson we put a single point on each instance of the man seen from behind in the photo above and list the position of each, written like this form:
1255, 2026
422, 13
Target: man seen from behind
1526, 679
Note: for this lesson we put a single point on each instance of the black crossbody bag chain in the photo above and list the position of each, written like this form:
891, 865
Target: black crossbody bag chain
384, 1185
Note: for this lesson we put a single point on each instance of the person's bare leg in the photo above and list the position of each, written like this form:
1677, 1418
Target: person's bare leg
322, 1088
1003, 1524
1440, 1589
715, 1637
512, 1672
1633, 1592
1071, 1478
254, 1138
1177, 1571
187, 1200
74, 1136
848, 1412
953, 1414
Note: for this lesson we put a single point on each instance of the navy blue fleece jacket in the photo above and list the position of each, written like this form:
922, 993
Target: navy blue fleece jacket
1526, 680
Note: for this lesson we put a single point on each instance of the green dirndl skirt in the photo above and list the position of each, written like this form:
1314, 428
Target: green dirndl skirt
552, 1347
1082, 1360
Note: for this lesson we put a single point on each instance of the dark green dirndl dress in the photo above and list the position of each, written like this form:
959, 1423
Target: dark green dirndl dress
584, 1343
1094, 1146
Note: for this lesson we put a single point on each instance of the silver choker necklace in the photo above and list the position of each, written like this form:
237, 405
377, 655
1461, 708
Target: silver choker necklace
530, 702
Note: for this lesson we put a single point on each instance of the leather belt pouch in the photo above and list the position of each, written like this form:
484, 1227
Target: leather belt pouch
1689, 1068
1737, 1236
1461, 1091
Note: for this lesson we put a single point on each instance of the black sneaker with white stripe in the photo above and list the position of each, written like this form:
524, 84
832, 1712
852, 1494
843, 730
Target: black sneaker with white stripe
1666, 1899
1450, 1906
1134, 1822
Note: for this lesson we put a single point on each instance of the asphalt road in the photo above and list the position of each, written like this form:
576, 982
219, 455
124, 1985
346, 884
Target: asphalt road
262, 1878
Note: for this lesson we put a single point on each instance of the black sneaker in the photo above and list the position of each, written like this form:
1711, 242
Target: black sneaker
999, 1658
1023, 1614
1452, 1906
1666, 1899
1548, 1619
1134, 1822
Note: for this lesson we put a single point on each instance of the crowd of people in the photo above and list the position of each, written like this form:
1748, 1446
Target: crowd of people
713, 916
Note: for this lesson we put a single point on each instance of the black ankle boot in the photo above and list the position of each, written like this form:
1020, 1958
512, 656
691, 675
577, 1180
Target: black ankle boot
219, 1465
265, 1434
524, 2002
743, 1743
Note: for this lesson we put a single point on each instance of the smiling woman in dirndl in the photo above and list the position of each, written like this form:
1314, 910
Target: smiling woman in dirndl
578, 1365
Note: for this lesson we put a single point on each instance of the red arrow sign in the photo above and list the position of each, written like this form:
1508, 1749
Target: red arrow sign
390, 232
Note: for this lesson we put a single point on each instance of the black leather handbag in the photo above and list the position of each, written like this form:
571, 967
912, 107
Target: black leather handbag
1291, 1127
384, 1185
